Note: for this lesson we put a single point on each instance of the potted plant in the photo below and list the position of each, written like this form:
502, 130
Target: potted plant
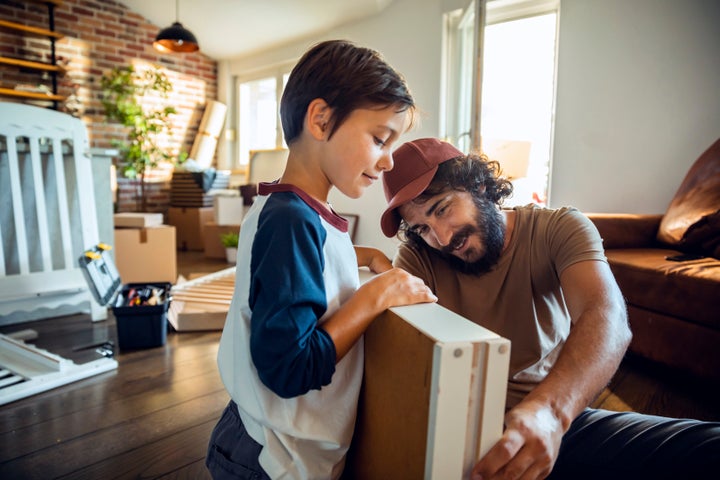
230, 242
137, 99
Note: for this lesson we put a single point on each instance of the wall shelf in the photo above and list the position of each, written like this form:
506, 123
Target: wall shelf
52, 67
31, 64
30, 30
31, 95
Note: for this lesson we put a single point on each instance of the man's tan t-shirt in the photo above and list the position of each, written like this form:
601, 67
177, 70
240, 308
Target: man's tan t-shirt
521, 298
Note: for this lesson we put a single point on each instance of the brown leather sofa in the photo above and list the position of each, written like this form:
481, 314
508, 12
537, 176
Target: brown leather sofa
673, 305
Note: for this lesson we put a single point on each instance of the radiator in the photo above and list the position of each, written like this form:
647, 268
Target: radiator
48, 215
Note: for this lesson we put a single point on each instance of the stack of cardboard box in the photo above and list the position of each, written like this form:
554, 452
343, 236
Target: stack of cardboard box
145, 249
228, 212
189, 223
191, 204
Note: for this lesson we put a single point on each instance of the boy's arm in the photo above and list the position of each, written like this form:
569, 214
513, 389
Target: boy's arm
372, 258
392, 288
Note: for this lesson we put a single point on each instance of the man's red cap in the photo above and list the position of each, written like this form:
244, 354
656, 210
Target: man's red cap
415, 165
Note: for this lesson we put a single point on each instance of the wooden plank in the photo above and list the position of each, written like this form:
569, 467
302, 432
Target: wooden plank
118, 439
202, 303
182, 454
190, 299
30, 64
399, 432
84, 422
32, 30
140, 371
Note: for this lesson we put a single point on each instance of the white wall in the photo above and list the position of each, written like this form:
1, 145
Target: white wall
409, 35
637, 99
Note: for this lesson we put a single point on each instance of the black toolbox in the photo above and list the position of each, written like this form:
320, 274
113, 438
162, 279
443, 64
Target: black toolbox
140, 309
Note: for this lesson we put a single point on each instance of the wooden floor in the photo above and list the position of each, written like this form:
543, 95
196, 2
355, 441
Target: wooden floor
151, 418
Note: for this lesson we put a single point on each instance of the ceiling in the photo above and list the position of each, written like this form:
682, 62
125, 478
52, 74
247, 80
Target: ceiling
233, 28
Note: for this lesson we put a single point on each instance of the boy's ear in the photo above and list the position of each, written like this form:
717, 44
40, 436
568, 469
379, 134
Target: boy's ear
317, 119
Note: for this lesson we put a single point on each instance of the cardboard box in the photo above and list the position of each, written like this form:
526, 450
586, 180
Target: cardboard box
211, 233
228, 210
137, 220
146, 254
189, 223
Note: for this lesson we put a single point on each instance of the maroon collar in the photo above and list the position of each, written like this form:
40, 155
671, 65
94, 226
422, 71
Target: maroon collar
334, 219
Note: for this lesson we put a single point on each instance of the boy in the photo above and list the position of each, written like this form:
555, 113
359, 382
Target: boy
291, 353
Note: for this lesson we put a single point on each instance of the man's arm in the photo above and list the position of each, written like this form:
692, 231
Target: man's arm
596, 345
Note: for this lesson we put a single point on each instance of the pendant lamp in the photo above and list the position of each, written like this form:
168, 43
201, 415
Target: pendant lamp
176, 38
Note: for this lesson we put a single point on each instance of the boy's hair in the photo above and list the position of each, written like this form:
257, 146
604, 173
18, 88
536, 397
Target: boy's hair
347, 77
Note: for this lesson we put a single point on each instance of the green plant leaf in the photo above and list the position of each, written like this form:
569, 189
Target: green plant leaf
130, 97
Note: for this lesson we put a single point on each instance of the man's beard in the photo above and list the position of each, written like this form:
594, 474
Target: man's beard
490, 228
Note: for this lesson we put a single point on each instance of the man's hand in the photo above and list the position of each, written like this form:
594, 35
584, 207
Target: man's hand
528, 448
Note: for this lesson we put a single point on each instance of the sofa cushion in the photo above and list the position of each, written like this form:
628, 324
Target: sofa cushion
691, 222
627, 230
687, 290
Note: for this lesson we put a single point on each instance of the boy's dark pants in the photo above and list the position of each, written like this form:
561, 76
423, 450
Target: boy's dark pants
232, 453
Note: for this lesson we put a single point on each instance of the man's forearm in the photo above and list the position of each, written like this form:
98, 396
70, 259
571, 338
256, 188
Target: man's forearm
589, 359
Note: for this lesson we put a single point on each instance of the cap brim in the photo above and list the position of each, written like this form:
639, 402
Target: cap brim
390, 220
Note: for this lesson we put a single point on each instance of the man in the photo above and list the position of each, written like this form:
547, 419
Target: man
538, 277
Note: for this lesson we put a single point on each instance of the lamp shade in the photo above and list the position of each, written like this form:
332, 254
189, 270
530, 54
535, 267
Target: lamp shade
176, 38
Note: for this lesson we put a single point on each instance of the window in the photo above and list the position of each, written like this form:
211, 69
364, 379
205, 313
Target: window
259, 125
518, 88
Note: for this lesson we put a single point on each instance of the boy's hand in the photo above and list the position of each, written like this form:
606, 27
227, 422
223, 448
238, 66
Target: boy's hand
397, 287
391, 288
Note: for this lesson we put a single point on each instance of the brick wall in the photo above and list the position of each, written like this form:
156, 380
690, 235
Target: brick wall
101, 35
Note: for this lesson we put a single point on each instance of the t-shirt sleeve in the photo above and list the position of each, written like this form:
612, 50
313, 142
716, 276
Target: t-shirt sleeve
292, 354
413, 261
573, 238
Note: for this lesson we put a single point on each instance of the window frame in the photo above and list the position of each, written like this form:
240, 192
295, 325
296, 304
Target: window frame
461, 110
280, 73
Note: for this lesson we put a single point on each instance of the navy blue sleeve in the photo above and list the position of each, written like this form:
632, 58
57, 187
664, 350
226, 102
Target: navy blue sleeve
287, 297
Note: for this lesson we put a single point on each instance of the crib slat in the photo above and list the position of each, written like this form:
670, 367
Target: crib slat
18, 213
61, 185
2, 256
40, 207
88, 212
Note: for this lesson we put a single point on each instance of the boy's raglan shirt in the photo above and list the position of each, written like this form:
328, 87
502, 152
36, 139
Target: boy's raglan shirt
296, 266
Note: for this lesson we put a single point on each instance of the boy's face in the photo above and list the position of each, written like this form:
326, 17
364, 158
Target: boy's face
360, 149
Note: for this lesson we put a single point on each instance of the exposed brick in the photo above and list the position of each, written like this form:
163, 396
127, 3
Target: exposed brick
100, 35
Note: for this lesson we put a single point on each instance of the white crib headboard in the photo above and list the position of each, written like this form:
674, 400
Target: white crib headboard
47, 214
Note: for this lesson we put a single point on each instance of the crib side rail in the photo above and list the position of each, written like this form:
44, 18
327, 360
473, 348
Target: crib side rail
46, 179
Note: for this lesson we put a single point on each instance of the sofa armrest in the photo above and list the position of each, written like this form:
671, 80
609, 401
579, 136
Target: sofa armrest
625, 230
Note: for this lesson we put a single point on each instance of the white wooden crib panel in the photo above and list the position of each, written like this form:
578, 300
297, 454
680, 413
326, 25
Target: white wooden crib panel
47, 214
